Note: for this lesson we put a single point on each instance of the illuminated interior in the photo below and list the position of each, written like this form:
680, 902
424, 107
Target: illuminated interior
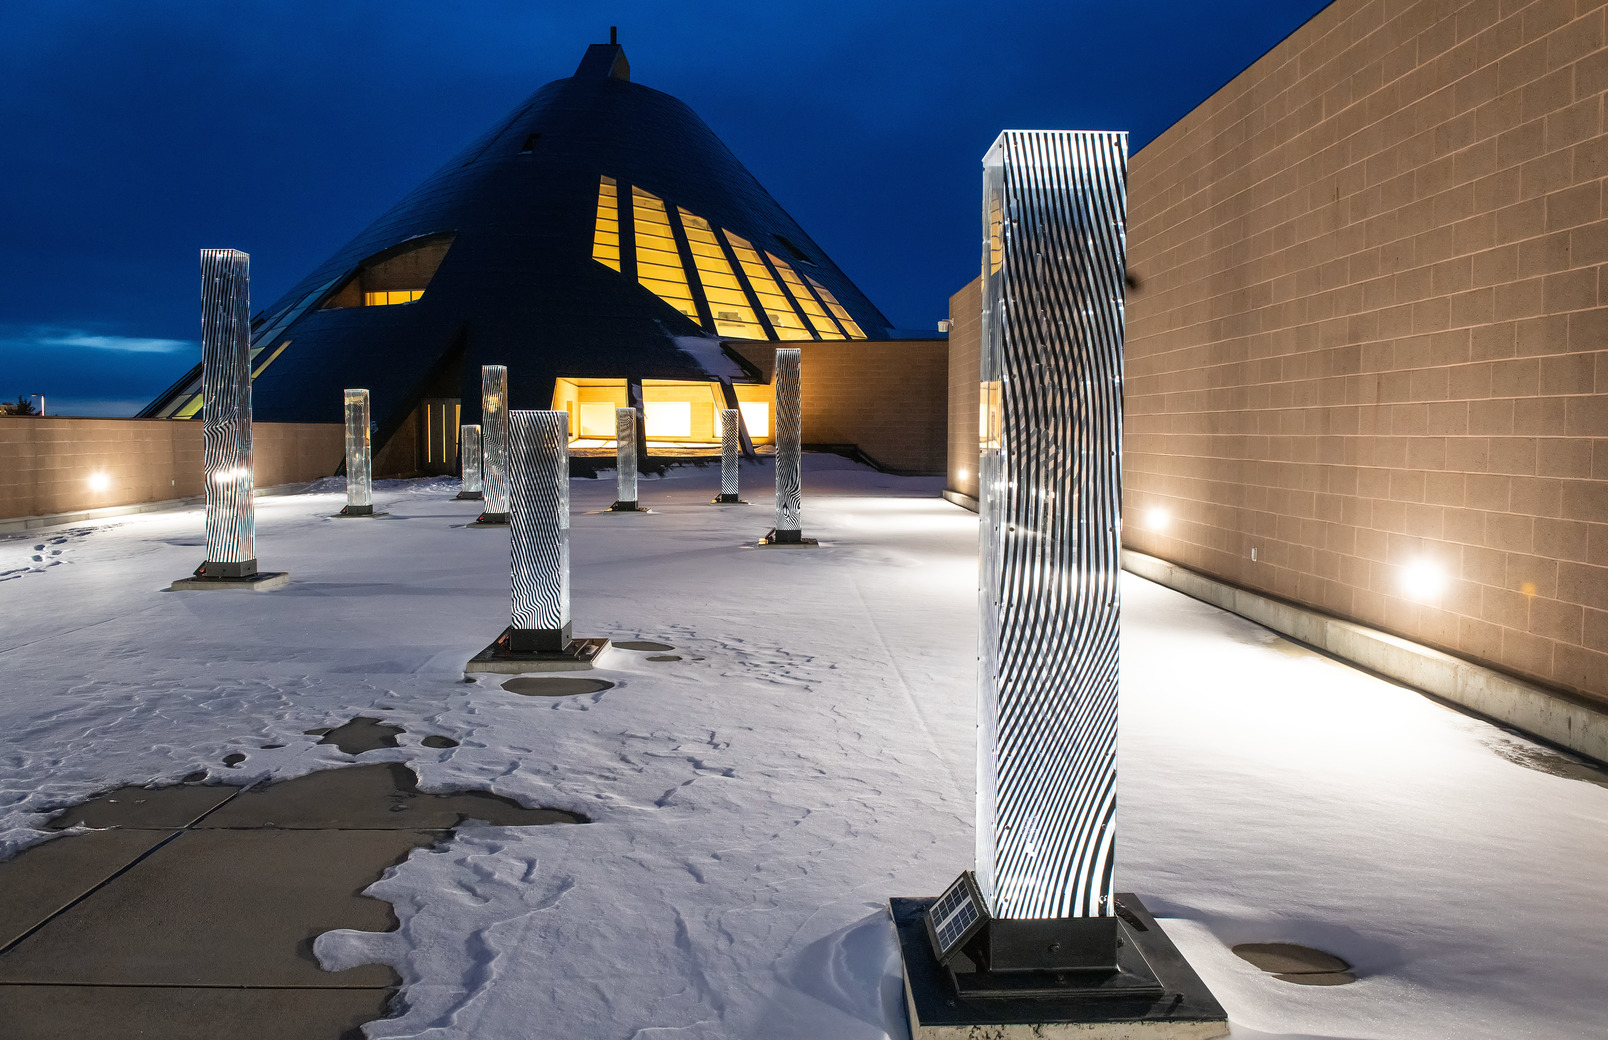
606, 237
658, 262
395, 276
727, 301
823, 325
837, 310
676, 413
783, 318
797, 307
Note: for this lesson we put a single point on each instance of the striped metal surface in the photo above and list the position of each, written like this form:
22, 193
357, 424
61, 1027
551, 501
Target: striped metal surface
359, 463
539, 499
1054, 245
469, 456
625, 454
789, 437
730, 449
226, 389
494, 437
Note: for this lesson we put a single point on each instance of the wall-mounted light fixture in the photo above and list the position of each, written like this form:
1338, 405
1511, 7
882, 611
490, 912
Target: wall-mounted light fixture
99, 482
1157, 518
1423, 579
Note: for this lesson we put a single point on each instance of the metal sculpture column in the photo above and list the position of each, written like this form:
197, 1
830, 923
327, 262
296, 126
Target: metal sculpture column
469, 463
494, 444
789, 451
625, 453
1039, 920
226, 436
539, 559
730, 456
359, 464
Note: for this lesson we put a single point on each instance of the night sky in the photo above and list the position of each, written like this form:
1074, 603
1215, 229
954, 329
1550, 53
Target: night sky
136, 132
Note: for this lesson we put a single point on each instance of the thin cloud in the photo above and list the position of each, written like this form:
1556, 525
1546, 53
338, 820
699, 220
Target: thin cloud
126, 344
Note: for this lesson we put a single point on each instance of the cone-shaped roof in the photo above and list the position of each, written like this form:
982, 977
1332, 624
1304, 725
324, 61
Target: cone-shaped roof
552, 245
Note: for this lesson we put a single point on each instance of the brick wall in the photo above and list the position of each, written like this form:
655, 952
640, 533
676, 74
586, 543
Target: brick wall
965, 377
46, 464
1372, 325
886, 397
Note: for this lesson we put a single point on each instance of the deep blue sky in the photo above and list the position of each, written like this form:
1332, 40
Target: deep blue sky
135, 132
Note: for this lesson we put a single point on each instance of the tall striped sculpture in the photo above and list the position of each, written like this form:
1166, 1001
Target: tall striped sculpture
539, 504
359, 463
494, 443
625, 455
789, 450
226, 435
1050, 504
730, 447
469, 463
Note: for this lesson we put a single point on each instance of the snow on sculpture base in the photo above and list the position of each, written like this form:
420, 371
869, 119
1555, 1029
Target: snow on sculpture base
569, 654
1177, 1006
775, 539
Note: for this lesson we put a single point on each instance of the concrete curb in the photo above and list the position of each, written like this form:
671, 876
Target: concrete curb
11, 525
1553, 715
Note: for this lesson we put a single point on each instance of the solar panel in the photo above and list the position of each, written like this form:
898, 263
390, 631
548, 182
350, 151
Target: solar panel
955, 916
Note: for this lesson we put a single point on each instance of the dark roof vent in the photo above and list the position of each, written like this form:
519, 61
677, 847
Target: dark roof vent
604, 60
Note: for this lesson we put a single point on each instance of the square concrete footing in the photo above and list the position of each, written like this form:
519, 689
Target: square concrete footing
497, 658
1186, 1010
262, 581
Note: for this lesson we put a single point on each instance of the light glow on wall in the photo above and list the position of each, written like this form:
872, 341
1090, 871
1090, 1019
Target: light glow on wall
99, 482
1157, 519
756, 416
1423, 580
668, 418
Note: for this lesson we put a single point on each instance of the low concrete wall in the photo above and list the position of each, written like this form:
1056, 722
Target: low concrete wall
1551, 714
50, 466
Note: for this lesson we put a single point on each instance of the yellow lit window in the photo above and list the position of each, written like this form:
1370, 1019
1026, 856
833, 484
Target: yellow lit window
996, 244
606, 239
667, 418
837, 310
598, 420
727, 301
806, 300
658, 262
756, 416
783, 318
387, 297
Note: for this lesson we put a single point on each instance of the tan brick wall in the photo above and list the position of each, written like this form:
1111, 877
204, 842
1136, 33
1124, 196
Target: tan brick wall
965, 378
886, 397
1372, 328
46, 463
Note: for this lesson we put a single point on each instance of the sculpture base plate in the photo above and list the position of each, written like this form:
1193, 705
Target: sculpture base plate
469, 496
367, 512
770, 541
262, 581
1109, 1010
727, 500
581, 653
627, 507
489, 520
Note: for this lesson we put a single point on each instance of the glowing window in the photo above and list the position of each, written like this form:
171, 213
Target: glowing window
756, 416
658, 262
386, 297
606, 239
783, 318
806, 300
727, 301
837, 310
668, 418
996, 244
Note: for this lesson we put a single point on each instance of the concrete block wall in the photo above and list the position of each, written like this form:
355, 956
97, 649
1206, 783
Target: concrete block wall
1373, 329
46, 464
889, 398
965, 378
